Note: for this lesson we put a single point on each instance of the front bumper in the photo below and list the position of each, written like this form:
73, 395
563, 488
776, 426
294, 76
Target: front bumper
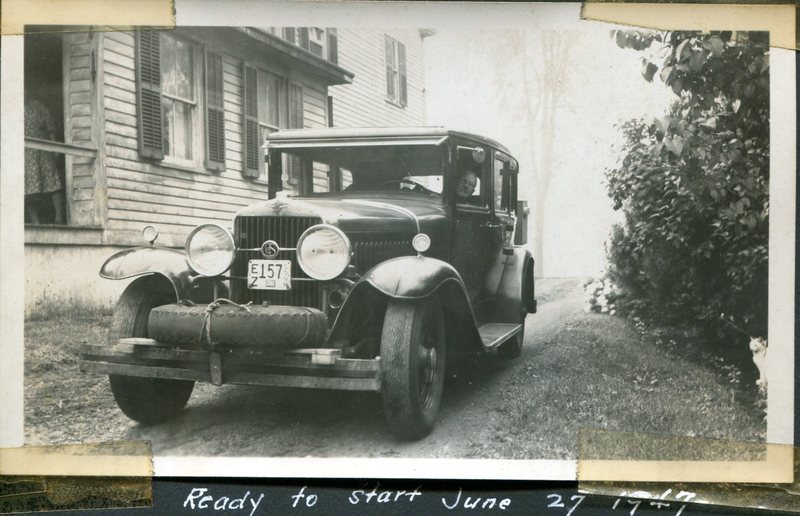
304, 368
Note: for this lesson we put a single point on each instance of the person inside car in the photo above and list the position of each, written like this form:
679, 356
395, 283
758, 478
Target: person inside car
465, 186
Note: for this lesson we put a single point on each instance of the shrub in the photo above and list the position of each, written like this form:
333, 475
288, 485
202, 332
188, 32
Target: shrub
693, 185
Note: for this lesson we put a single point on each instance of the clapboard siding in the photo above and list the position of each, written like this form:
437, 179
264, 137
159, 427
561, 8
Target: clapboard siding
80, 127
314, 108
176, 186
175, 198
363, 103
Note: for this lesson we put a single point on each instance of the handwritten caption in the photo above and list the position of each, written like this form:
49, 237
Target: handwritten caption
201, 498
627, 502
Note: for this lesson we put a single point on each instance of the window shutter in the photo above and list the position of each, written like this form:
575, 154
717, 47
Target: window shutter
295, 122
333, 45
302, 37
250, 122
401, 59
215, 113
288, 34
389, 46
148, 94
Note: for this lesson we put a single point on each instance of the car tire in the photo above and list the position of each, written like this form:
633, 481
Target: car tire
413, 365
146, 400
512, 348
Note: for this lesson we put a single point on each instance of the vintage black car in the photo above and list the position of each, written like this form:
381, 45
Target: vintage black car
401, 249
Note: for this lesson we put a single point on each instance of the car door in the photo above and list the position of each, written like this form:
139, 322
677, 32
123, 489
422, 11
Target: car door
476, 237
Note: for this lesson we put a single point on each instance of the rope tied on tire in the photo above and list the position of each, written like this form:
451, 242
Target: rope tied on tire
205, 329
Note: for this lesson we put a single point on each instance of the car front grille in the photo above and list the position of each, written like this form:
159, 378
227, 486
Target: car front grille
369, 249
250, 233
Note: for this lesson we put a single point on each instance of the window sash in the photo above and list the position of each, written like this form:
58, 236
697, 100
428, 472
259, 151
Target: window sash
178, 129
178, 73
271, 98
178, 69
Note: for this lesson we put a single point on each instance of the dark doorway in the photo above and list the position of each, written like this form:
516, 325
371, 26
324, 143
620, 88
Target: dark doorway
44, 120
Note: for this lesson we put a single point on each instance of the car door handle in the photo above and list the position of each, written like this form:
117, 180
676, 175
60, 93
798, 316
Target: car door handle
490, 225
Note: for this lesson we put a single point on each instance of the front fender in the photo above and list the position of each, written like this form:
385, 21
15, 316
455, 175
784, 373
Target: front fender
140, 261
411, 277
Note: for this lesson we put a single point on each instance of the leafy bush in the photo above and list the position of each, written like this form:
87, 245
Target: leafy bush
693, 184
601, 296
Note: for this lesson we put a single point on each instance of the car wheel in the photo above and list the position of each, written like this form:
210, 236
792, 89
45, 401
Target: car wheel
146, 400
413, 365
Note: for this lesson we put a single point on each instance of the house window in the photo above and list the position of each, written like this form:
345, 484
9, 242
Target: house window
321, 42
172, 97
269, 104
396, 87
271, 109
316, 41
178, 98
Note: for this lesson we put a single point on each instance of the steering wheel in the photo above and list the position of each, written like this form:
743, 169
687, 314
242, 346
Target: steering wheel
415, 187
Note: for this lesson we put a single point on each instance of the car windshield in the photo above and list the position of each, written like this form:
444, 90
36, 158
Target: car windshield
415, 169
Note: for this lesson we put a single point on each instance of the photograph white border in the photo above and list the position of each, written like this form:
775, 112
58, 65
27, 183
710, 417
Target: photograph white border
417, 15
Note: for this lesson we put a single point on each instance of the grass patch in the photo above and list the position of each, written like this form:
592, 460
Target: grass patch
62, 404
598, 371
50, 310
55, 342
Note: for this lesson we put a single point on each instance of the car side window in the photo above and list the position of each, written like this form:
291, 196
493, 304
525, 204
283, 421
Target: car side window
471, 182
502, 186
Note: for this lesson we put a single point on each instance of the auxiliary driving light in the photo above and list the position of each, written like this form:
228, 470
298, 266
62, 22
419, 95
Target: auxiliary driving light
421, 242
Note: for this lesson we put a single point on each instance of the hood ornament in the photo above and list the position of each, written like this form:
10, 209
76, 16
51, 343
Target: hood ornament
278, 205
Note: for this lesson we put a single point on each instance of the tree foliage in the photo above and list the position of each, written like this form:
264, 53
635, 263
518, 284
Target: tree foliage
693, 184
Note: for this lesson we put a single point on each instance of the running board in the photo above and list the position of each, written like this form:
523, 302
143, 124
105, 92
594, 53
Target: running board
494, 334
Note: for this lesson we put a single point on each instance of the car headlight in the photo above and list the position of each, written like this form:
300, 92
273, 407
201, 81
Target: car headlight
323, 252
210, 249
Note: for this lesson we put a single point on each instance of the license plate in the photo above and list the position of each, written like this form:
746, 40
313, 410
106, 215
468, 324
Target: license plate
269, 274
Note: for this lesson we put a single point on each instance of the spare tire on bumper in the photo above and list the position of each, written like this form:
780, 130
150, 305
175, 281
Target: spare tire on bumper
275, 327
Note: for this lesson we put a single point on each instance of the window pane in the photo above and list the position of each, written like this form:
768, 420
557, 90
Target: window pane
185, 70
263, 131
263, 97
177, 68
168, 66
274, 100
178, 129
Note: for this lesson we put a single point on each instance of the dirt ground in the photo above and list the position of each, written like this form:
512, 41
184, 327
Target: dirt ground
576, 370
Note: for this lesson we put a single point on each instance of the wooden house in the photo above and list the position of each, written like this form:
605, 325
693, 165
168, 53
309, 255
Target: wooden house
165, 127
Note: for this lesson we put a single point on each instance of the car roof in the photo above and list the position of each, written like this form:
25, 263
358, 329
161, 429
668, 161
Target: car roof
330, 136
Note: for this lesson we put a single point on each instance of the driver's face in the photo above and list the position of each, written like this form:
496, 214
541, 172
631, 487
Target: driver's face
466, 185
